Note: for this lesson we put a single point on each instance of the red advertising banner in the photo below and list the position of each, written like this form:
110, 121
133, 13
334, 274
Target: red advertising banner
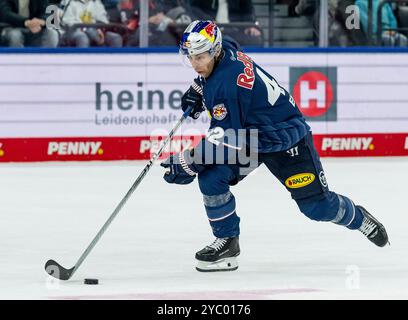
362, 145
139, 148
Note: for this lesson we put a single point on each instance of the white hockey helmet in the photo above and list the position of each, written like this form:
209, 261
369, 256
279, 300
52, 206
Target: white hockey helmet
199, 37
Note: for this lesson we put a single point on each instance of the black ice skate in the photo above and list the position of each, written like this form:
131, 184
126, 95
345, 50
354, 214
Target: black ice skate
221, 255
373, 229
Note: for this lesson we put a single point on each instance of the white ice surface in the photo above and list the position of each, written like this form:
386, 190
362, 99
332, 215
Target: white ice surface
54, 210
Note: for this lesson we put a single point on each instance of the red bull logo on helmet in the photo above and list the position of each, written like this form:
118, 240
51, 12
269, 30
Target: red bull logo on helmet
209, 31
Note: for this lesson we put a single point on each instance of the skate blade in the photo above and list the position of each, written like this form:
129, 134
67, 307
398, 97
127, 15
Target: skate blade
227, 264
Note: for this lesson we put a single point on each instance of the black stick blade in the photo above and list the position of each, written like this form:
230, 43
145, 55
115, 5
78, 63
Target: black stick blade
54, 269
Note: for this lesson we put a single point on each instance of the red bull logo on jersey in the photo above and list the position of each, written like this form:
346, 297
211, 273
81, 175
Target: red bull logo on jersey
247, 78
299, 180
75, 148
1, 150
406, 143
219, 112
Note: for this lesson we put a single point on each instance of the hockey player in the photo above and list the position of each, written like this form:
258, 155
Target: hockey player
241, 96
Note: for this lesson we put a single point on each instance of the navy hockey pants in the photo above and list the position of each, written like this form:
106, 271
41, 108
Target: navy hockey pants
299, 169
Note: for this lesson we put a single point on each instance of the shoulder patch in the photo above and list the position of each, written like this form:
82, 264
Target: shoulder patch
219, 112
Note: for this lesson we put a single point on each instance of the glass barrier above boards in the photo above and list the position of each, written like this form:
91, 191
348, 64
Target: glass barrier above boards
161, 23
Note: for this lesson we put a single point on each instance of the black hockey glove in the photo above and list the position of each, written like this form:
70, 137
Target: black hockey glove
182, 168
193, 97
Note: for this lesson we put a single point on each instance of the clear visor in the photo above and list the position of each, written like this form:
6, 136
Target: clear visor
197, 60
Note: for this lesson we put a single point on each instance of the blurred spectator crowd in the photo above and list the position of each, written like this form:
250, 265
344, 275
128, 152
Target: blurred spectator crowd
342, 33
115, 23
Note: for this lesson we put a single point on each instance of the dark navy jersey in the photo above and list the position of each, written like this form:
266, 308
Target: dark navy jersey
240, 95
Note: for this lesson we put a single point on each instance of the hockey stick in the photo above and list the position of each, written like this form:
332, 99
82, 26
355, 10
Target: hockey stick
54, 269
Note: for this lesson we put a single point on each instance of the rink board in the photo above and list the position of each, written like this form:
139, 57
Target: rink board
112, 106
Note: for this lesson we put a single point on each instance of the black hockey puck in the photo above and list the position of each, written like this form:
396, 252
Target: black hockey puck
91, 281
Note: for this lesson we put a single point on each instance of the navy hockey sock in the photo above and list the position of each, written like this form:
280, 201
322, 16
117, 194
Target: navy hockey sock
348, 214
221, 214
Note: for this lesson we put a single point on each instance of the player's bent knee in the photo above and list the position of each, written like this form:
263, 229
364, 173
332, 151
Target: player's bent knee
215, 180
320, 210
